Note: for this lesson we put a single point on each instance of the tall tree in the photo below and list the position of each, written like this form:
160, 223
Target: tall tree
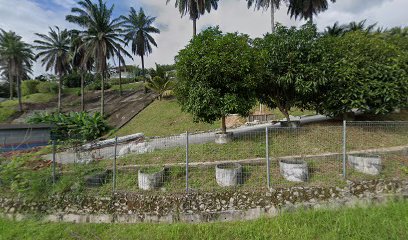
138, 29
265, 4
78, 62
195, 8
101, 35
17, 57
335, 30
305, 9
54, 50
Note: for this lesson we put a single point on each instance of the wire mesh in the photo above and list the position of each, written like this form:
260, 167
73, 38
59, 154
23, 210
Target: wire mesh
377, 150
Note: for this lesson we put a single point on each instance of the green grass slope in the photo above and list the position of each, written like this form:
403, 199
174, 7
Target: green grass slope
163, 118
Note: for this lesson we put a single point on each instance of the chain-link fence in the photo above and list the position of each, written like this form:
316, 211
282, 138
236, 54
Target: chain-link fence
272, 157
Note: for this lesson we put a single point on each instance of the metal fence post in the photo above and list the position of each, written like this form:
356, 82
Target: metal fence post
344, 148
53, 160
187, 162
114, 165
268, 172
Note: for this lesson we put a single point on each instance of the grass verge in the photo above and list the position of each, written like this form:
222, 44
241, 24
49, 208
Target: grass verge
388, 221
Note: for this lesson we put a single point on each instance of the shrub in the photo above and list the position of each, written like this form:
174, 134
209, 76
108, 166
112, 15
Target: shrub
29, 87
73, 126
96, 85
47, 87
115, 81
73, 80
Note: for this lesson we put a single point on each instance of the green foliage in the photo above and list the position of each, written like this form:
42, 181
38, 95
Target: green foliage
364, 72
97, 85
115, 81
47, 87
73, 80
29, 87
214, 75
75, 125
287, 71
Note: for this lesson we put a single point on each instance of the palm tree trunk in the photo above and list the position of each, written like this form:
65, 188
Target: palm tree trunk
20, 104
120, 77
82, 92
102, 93
194, 27
143, 74
223, 125
272, 16
11, 84
59, 93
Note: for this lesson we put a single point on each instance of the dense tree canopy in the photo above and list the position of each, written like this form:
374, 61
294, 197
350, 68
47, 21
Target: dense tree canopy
364, 72
214, 76
288, 67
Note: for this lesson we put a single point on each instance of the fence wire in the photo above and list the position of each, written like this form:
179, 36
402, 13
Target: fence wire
274, 157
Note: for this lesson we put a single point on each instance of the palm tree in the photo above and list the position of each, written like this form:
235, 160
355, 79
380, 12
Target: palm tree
305, 9
361, 26
335, 30
54, 50
17, 58
138, 29
78, 63
101, 36
160, 80
265, 4
195, 8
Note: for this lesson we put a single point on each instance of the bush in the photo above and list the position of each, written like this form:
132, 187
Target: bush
47, 87
73, 126
115, 81
29, 87
5, 90
96, 85
73, 80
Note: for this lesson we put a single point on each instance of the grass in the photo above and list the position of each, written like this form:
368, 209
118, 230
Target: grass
9, 108
388, 221
128, 86
163, 118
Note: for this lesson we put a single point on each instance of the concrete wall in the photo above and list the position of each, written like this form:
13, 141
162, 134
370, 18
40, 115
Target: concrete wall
201, 206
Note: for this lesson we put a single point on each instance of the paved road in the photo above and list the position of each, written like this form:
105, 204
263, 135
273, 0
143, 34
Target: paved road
169, 142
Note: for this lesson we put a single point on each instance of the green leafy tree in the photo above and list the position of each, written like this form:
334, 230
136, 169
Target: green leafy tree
364, 72
215, 76
54, 50
195, 8
287, 70
305, 9
101, 36
265, 4
335, 30
138, 29
16, 58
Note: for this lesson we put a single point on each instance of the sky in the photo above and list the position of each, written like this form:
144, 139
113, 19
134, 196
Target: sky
27, 17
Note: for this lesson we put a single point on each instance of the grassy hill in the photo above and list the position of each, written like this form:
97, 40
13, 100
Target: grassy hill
163, 118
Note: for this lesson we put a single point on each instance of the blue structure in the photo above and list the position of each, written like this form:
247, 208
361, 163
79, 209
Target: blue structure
15, 137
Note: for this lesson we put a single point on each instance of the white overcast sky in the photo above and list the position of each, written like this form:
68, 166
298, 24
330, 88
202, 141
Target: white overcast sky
27, 17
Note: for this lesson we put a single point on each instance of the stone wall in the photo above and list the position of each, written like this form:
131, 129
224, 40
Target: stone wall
202, 206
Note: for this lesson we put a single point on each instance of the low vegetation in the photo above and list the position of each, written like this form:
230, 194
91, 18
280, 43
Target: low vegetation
388, 221
168, 120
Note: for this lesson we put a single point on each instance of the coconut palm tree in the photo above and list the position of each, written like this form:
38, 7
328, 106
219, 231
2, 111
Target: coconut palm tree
101, 36
195, 8
305, 9
54, 51
138, 29
160, 80
17, 59
265, 4
335, 30
78, 63
361, 26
